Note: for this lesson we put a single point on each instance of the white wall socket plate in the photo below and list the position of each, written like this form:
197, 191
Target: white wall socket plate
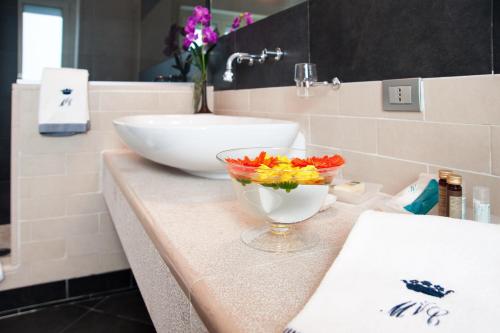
403, 95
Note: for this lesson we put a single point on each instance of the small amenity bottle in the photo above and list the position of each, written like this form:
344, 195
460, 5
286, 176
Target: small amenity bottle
455, 201
443, 192
481, 203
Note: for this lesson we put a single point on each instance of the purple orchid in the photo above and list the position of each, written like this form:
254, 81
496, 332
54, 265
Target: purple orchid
190, 26
199, 23
188, 40
202, 15
209, 35
236, 23
247, 16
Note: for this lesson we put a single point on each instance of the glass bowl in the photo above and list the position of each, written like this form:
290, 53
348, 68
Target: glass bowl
284, 191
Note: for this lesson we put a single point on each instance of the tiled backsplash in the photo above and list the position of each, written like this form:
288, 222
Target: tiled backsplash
364, 40
460, 128
60, 224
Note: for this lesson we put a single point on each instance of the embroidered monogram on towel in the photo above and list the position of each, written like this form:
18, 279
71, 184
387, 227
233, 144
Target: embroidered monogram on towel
427, 288
66, 98
432, 310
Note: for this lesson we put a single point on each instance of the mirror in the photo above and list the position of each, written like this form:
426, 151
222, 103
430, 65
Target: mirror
120, 40
224, 11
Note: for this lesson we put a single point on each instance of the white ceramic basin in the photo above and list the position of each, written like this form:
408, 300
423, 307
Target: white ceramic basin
190, 142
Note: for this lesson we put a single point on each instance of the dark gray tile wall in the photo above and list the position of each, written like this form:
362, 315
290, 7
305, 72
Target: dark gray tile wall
362, 40
287, 29
496, 35
8, 75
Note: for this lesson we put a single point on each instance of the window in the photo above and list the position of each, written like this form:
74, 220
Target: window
42, 40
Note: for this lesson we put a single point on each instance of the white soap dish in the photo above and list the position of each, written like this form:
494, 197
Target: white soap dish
356, 198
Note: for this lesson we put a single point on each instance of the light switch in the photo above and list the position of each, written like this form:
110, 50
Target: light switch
400, 95
403, 95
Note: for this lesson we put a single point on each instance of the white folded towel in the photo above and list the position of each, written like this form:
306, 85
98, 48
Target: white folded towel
408, 273
63, 106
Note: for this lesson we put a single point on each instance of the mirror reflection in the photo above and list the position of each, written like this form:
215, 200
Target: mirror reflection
123, 40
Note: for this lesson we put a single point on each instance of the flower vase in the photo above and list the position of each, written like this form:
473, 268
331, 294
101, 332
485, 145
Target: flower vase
204, 104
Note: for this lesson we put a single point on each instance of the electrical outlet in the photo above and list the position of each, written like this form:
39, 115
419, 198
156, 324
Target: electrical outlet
400, 95
403, 95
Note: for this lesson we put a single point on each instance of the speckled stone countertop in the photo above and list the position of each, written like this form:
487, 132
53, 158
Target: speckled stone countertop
196, 223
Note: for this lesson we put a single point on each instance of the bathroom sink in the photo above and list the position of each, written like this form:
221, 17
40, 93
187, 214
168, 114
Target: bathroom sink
191, 142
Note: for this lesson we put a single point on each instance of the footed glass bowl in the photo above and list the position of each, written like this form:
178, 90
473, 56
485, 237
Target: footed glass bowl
282, 186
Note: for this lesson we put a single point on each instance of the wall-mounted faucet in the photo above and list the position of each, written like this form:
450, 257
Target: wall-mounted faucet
250, 58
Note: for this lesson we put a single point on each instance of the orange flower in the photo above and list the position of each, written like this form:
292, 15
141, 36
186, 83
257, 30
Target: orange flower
324, 162
262, 159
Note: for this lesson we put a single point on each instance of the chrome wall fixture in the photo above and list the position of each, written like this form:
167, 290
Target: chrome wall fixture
306, 76
240, 57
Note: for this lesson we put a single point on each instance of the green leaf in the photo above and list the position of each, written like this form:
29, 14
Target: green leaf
288, 186
243, 181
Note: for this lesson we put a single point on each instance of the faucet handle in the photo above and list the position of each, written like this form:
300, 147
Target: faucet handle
336, 83
277, 54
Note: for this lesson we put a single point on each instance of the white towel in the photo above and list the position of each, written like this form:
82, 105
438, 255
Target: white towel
63, 106
390, 263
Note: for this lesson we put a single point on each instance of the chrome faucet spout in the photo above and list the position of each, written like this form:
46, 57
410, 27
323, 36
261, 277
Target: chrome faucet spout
228, 74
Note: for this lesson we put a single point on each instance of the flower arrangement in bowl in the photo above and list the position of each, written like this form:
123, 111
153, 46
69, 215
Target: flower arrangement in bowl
282, 186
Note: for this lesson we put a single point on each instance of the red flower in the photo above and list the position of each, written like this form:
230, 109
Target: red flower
256, 162
324, 162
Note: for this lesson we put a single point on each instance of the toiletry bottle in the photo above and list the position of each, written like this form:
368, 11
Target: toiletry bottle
443, 195
454, 190
481, 203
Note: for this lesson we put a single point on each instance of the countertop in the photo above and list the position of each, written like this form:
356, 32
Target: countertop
196, 223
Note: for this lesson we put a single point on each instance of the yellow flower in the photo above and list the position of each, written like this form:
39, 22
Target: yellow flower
284, 172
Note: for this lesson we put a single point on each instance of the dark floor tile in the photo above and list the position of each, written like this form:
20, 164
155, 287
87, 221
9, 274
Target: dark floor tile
133, 281
99, 283
41, 293
96, 322
88, 303
360, 40
50, 320
126, 305
287, 30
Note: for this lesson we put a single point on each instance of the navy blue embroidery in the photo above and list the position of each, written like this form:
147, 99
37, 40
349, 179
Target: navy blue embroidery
290, 330
67, 99
432, 310
427, 288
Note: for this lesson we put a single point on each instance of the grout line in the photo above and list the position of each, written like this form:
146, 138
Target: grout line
75, 321
410, 161
422, 121
69, 300
491, 148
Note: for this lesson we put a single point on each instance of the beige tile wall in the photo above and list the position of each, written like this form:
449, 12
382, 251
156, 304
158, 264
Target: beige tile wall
460, 128
60, 223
